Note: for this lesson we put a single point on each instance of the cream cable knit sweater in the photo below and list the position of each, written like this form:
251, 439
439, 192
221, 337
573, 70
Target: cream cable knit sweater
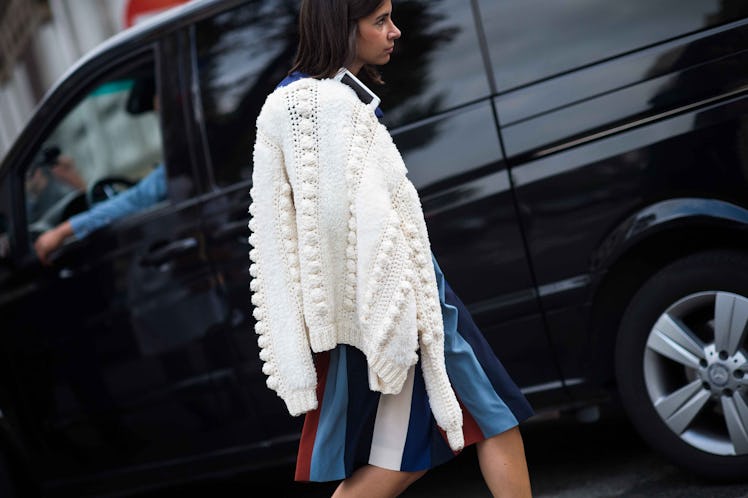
340, 252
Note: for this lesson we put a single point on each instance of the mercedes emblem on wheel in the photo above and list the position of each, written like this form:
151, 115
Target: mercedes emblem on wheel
681, 358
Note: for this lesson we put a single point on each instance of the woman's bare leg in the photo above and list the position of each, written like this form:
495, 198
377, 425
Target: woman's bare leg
503, 465
375, 482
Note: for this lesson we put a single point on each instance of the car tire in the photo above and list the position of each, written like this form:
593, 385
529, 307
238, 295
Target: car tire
681, 366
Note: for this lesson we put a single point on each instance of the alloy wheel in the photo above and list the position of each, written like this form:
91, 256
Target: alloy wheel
696, 371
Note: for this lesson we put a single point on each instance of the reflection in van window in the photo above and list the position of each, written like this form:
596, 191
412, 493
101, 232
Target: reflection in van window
98, 164
243, 54
530, 40
437, 65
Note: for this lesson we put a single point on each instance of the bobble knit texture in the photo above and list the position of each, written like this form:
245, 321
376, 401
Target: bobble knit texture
340, 252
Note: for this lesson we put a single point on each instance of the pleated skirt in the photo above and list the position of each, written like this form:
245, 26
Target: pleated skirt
354, 426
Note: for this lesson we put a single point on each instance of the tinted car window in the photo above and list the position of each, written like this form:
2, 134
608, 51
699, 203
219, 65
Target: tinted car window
244, 53
533, 39
241, 55
437, 64
108, 142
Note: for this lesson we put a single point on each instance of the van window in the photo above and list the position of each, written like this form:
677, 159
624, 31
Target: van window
530, 40
437, 64
244, 53
241, 55
103, 146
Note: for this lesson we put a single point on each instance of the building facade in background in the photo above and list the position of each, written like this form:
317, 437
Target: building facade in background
41, 39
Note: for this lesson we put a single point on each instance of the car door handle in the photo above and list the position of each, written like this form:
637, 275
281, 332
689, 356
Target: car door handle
231, 229
171, 250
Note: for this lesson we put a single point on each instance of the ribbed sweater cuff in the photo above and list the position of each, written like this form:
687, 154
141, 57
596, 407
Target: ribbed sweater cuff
323, 338
444, 404
300, 402
389, 377
455, 439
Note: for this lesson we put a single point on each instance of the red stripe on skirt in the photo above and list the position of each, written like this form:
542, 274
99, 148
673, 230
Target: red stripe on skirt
470, 429
471, 432
311, 420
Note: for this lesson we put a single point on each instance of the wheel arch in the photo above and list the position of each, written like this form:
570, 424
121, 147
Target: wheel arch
641, 245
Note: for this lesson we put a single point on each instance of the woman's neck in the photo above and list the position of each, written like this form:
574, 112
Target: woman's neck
355, 68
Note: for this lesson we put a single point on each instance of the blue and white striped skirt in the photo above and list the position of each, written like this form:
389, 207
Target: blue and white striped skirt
354, 426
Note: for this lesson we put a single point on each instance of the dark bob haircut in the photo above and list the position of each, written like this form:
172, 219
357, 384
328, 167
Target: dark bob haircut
327, 36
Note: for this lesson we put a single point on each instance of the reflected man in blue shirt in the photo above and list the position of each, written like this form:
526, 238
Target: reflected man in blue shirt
150, 190
147, 192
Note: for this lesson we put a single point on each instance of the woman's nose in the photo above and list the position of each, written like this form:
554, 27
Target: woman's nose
394, 32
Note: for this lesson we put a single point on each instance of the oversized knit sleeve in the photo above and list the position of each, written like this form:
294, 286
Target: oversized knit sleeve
443, 401
275, 283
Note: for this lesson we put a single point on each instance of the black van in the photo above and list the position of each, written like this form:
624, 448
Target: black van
583, 167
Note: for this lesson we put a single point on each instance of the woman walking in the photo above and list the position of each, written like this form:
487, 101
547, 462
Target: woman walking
357, 326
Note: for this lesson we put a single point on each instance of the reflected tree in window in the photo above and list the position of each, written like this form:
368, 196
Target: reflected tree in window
243, 54
404, 97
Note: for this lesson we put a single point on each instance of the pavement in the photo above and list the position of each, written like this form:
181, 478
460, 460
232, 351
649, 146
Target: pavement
566, 458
